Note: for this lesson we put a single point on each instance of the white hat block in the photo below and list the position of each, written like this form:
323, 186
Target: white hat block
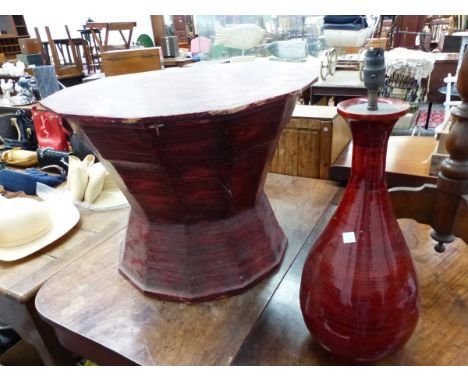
96, 175
77, 179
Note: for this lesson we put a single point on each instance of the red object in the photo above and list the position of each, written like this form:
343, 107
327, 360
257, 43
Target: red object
192, 160
49, 130
359, 291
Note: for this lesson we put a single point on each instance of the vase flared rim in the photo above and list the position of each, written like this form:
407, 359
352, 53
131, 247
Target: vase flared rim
400, 108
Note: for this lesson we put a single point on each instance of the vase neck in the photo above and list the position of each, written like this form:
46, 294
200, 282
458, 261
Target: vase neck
370, 140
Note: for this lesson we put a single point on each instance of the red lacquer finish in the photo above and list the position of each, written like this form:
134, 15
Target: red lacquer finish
359, 291
189, 148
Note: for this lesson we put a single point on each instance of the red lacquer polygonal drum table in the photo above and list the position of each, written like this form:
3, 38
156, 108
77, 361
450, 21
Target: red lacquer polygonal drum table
190, 149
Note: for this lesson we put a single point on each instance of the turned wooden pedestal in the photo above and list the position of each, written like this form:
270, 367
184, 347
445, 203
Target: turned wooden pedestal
189, 149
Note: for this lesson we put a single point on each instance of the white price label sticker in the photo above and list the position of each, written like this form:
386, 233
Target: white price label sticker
348, 237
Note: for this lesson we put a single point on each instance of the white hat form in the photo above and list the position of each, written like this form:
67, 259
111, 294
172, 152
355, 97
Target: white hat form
77, 179
96, 175
28, 225
90, 182
110, 197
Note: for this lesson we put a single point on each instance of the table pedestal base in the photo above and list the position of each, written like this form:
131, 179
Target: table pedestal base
203, 260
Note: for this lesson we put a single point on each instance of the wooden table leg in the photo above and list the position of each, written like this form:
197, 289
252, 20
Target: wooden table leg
23, 318
428, 117
311, 95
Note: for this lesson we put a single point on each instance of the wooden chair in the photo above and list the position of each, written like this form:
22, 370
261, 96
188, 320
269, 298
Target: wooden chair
91, 49
438, 28
70, 65
108, 27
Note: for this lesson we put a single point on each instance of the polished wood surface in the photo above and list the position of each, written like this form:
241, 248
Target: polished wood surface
408, 161
450, 210
113, 324
148, 331
15, 277
359, 292
444, 207
20, 280
280, 336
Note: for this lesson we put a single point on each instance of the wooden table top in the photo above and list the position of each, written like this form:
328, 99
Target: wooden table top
177, 61
212, 88
118, 25
280, 337
408, 160
439, 57
11, 108
344, 83
148, 331
315, 112
341, 79
21, 279
115, 324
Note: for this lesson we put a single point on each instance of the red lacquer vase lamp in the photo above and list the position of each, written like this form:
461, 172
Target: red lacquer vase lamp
359, 291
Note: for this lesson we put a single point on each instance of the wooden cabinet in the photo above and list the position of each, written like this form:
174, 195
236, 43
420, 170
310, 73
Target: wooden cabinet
117, 62
183, 26
11, 29
313, 139
406, 29
445, 63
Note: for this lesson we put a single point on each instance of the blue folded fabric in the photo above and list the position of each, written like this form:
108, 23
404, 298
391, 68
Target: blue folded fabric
346, 27
26, 180
345, 19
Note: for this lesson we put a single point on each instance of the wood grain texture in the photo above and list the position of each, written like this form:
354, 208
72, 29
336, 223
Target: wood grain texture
148, 331
326, 131
159, 29
20, 280
313, 138
308, 154
118, 62
289, 152
280, 336
407, 161
452, 182
359, 297
341, 136
201, 227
